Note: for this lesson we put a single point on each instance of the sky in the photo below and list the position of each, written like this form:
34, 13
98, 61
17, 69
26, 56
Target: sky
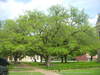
11, 9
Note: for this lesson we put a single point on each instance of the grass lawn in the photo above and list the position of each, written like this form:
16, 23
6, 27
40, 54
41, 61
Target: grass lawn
66, 66
71, 68
15, 68
25, 73
20, 69
81, 72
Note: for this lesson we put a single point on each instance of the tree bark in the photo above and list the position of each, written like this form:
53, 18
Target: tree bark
62, 60
34, 59
41, 58
48, 61
65, 57
15, 60
91, 58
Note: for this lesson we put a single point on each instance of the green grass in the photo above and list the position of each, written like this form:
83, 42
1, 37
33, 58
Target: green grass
65, 66
25, 73
15, 68
20, 69
81, 72
72, 68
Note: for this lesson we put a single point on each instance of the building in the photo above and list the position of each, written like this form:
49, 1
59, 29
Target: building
98, 31
98, 25
86, 57
35, 58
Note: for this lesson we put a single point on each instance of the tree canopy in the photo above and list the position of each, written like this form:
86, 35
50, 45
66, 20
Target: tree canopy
59, 33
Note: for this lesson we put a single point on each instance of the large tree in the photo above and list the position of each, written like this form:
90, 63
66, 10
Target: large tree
59, 33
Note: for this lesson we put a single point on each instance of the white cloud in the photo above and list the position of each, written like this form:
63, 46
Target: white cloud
93, 20
12, 9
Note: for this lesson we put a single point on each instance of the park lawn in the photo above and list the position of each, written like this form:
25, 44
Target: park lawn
66, 66
71, 68
25, 73
81, 72
20, 69
13, 67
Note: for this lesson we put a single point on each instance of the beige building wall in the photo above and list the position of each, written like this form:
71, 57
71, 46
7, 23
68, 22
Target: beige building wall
27, 59
30, 59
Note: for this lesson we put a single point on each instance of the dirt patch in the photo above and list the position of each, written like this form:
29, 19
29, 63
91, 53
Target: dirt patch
33, 69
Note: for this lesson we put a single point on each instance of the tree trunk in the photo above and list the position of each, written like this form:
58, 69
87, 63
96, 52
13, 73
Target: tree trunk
91, 58
15, 60
98, 59
48, 61
41, 58
62, 60
65, 57
34, 59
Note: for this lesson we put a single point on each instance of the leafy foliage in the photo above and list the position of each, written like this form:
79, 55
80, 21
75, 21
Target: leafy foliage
61, 32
